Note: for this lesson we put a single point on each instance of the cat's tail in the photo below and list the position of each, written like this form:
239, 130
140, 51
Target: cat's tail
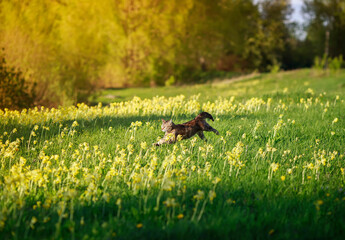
205, 115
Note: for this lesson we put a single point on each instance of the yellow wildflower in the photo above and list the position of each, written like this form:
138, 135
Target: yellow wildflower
212, 195
139, 225
32, 222
200, 195
274, 166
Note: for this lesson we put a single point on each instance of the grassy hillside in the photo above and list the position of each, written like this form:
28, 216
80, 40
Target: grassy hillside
254, 85
277, 169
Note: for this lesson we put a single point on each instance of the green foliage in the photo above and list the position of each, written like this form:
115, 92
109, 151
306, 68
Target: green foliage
275, 68
171, 81
325, 16
324, 63
265, 47
336, 63
71, 48
319, 63
14, 92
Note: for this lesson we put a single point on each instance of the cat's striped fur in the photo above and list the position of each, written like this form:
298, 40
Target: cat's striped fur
186, 130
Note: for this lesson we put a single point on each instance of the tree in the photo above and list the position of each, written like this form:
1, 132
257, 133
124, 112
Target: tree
14, 92
266, 46
326, 26
71, 48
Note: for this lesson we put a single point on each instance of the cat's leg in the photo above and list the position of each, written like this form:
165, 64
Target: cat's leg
168, 138
160, 142
201, 135
208, 128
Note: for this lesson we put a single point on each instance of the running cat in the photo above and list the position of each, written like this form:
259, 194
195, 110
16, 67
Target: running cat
186, 130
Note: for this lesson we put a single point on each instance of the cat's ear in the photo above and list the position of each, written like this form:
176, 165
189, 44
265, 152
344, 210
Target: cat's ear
170, 121
163, 120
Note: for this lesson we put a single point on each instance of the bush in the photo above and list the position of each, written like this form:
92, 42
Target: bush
14, 92
336, 63
319, 63
170, 81
274, 68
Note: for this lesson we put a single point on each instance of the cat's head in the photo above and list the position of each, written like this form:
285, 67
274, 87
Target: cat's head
167, 125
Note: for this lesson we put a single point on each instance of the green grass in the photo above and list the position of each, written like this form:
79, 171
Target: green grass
97, 180
254, 85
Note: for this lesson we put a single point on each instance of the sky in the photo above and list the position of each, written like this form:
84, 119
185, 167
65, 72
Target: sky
297, 16
297, 13
297, 7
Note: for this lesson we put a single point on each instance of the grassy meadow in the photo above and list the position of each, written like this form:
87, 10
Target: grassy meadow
254, 85
277, 169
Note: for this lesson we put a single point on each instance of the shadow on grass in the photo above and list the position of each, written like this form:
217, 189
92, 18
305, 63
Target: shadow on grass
258, 212
93, 131
87, 125
94, 124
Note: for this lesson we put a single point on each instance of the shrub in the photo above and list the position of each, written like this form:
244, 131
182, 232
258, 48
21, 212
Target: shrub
319, 63
275, 67
170, 81
335, 63
14, 92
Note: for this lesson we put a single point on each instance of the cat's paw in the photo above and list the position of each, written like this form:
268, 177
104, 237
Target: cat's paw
156, 144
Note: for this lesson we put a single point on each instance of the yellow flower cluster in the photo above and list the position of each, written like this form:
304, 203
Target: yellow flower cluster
156, 106
64, 172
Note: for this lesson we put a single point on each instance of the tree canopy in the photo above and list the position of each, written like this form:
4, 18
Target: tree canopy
69, 48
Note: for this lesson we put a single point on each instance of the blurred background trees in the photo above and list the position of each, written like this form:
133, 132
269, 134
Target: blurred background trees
326, 26
69, 48
14, 91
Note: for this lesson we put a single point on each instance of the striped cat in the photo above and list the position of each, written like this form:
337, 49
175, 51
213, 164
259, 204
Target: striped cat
186, 130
